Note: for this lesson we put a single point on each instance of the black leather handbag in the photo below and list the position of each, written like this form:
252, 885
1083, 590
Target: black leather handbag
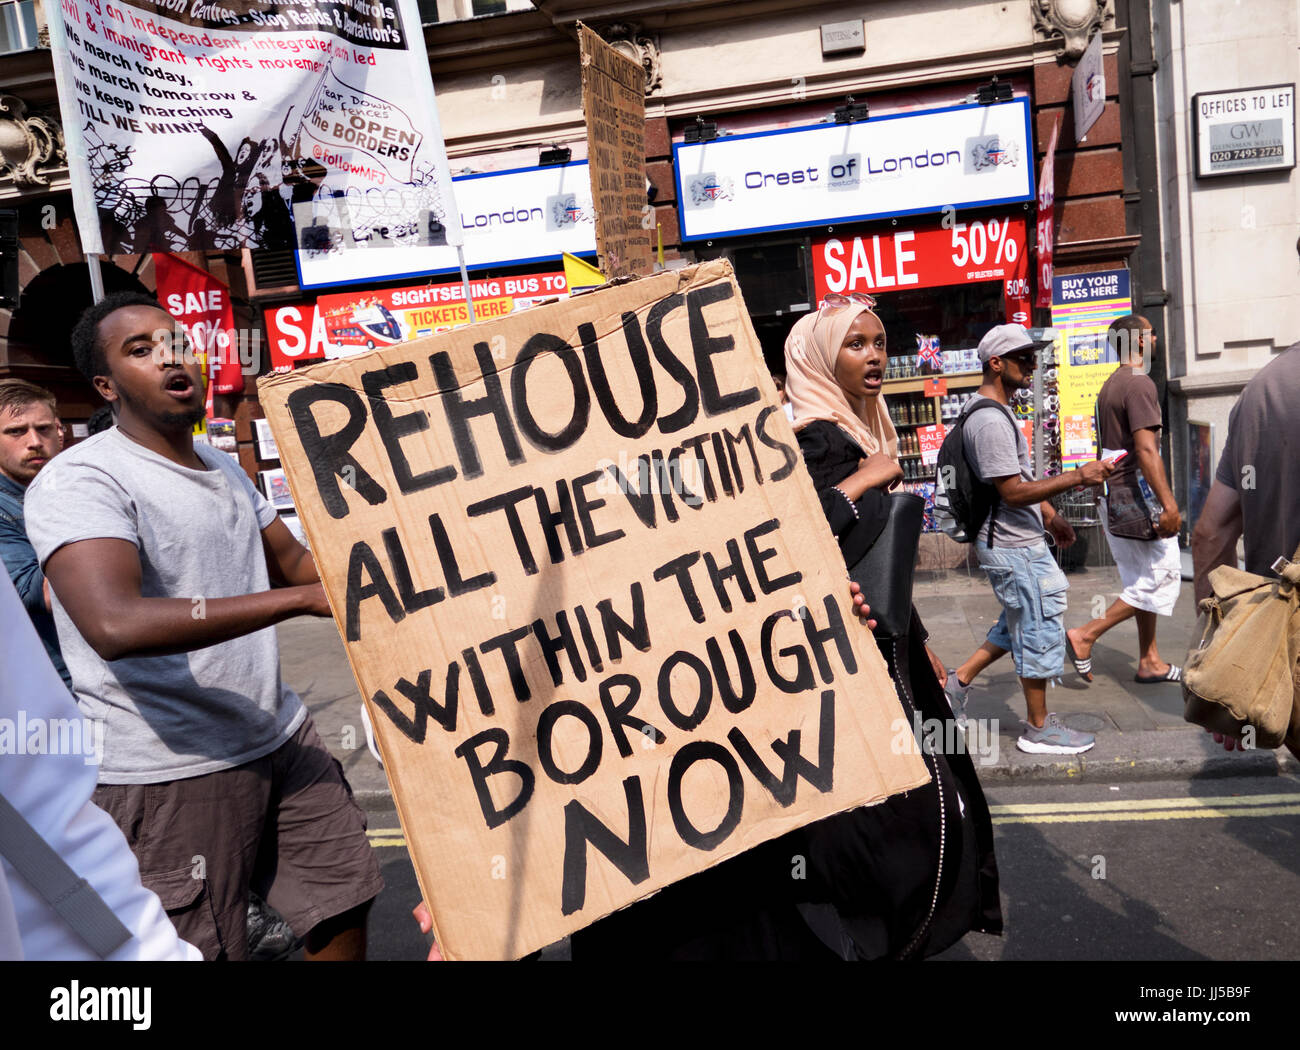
885, 572
1127, 513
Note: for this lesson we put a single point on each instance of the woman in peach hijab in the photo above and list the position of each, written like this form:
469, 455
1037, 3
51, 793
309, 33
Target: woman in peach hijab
835, 368
885, 865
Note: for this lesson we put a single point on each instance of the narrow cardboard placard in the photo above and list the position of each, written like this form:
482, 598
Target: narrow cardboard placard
591, 600
613, 103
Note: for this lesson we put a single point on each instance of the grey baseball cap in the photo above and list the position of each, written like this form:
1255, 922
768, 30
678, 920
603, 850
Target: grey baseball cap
1007, 339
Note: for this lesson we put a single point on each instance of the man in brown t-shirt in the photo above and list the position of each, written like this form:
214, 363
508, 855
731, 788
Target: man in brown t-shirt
1128, 411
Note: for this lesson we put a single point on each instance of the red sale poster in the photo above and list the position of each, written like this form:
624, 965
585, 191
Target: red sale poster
1047, 219
928, 255
201, 304
931, 440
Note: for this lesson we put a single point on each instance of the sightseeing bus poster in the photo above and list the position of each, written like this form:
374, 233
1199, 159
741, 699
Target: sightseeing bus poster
358, 321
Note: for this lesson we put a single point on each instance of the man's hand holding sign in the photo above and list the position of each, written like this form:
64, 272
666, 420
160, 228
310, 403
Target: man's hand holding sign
583, 583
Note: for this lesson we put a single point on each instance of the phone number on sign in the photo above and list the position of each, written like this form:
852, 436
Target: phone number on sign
1228, 155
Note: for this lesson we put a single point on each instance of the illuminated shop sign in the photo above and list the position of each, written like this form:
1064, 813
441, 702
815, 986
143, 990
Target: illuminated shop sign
509, 217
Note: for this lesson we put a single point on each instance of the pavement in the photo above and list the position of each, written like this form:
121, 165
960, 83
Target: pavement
1141, 734
1140, 730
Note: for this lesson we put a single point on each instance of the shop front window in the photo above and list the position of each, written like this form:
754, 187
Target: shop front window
936, 301
774, 281
958, 315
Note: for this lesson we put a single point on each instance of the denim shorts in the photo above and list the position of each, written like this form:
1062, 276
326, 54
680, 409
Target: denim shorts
1031, 587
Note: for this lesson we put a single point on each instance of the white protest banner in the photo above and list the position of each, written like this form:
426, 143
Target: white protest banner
588, 593
211, 126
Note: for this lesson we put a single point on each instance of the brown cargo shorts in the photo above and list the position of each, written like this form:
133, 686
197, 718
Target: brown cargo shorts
284, 825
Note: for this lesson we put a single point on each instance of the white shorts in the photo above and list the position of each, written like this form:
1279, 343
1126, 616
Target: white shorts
1151, 570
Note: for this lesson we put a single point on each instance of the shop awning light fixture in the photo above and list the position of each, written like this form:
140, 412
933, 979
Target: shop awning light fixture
994, 91
555, 155
701, 131
852, 112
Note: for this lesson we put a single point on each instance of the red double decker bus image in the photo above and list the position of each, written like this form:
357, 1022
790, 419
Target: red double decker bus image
366, 323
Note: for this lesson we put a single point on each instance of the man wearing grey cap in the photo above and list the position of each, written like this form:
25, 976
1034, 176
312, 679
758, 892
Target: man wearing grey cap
1011, 549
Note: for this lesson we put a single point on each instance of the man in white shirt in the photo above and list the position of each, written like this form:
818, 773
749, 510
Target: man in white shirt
52, 792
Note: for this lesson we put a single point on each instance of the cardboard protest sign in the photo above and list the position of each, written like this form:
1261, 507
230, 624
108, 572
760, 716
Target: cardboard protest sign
613, 103
201, 126
589, 595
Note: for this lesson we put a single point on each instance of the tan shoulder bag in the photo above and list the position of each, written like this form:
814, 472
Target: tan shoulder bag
1245, 669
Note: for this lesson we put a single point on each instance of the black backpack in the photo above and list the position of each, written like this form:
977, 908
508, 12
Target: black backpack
962, 501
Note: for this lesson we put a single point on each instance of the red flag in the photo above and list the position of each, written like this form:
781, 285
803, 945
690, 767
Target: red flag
1046, 219
202, 305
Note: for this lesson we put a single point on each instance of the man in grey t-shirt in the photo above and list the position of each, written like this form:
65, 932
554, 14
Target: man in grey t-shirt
160, 555
169, 715
997, 448
1010, 546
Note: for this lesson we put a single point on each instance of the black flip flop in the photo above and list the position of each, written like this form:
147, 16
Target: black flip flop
1084, 667
1174, 674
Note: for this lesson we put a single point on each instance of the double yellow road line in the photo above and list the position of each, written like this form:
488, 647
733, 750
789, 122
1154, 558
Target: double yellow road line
1220, 807
1230, 806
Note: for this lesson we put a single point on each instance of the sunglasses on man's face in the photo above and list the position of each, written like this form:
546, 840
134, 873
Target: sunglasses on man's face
1024, 359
